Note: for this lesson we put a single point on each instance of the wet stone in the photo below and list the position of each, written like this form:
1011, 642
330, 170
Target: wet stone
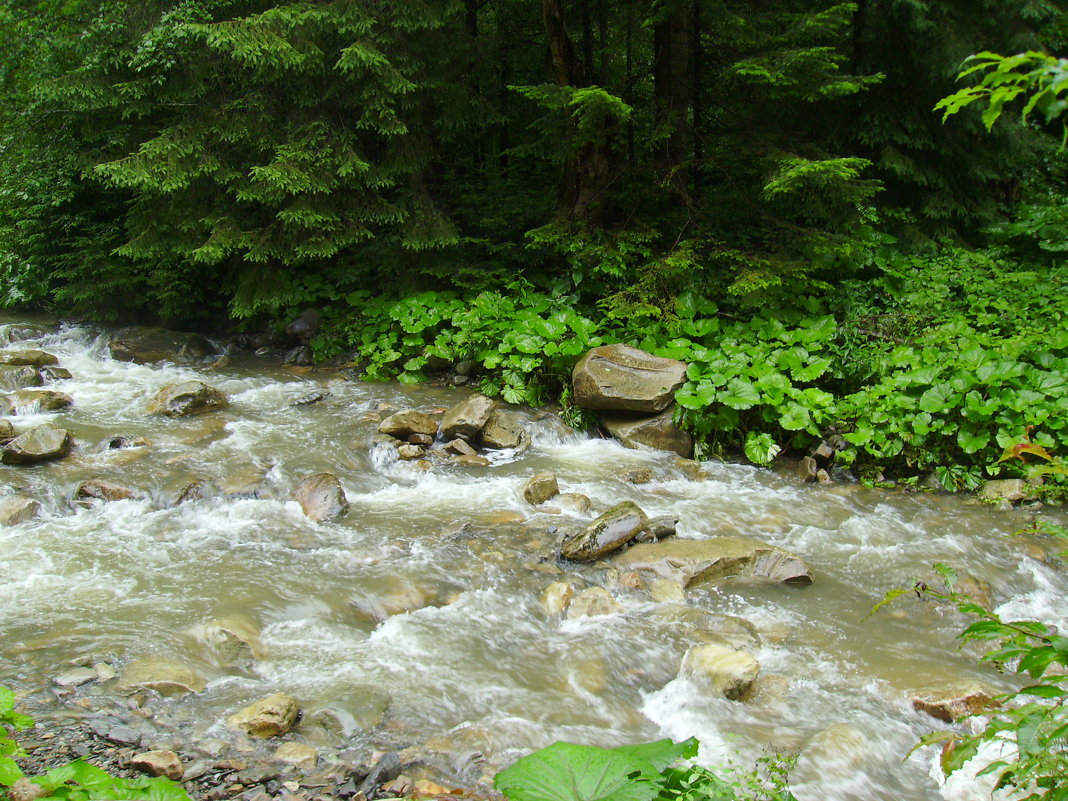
35, 358
37, 445
187, 399
310, 398
541, 487
102, 491
159, 763
269, 717
608, 533
14, 511
321, 497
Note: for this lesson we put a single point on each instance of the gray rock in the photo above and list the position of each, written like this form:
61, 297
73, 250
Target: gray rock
14, 511
460, 448
321, 497
301, 756
305, 327
622, 378
19, 332
541, 487
36, 358
608, 533
114, 732
186, 399
53, 373
75, 678
312, 397
269, 717
466, 419
404, 424
660, 528
695, 562
503, 430
150, 345
40, 444
658, 432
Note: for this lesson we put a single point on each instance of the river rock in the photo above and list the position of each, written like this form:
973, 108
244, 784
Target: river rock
25, 789
305, 326
19, 358
666, 591
503, 430
408, 452
556, 598
593, 602
301, 756
53, 373
609, 532
949, 704
541, 487
659, 432
231, 638
460, 448
269, 717
660, 528
148, 345
724, 669
695, 562
623, 378
159, 763
75, 677
102, 491
20, 377
186, 399
1005, 489
165, 676
44, 400
574, 502
18, 510
403, 424
19, 332
40, 444
466, 419
7, 431
321, 497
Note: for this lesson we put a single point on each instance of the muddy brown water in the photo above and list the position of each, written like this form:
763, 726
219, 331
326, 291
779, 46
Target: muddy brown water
414, 621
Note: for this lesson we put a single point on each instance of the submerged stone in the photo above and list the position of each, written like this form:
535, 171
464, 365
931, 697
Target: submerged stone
694, 562
269, 717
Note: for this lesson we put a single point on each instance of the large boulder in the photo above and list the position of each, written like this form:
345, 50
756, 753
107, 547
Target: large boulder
622, 378
403, 424
1004, 489
609, 532
149, 345
321, 497
34, 358
40, 444
503, 430
18, 510
269, 717
18, 332
695, 562
723, 668
658, 432
39, 400
19, 377
186, 399
466, 419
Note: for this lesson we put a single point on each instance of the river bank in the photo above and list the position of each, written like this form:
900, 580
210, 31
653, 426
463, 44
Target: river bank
417, 622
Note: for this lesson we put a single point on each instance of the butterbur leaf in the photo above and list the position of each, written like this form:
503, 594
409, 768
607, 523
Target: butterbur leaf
1044, 691
760, 448
567, 772
739, 394
9, 771
661, 753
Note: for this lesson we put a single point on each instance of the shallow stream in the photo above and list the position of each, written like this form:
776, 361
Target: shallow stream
415, 621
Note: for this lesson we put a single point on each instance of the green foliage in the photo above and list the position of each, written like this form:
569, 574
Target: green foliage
647, 772
1033, 719
78, 780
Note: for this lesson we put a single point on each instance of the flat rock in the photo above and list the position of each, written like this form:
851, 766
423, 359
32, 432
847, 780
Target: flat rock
269, 717
44, 400
14, 511
321, 497
186, 399
403, 424
159, 763
75, 678
658, 432
460, 448
540, 487
695, 562
149, 345
608, 533
165, 676
299, 755
726, 670
40, 444
1005, 489
19, 358
623, 378
466, 419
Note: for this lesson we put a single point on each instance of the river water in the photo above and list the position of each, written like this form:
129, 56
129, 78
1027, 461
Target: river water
414, 621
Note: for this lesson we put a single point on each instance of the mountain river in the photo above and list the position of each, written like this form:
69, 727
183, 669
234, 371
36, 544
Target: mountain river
415, 620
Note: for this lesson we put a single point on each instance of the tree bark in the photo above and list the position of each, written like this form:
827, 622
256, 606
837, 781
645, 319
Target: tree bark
671, 89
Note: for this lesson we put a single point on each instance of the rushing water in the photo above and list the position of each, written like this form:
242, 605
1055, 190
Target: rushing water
415, 620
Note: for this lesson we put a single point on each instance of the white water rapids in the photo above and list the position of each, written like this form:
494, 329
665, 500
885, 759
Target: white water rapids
414, 621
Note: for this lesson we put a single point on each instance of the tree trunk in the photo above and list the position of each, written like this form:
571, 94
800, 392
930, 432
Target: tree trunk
671, 86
